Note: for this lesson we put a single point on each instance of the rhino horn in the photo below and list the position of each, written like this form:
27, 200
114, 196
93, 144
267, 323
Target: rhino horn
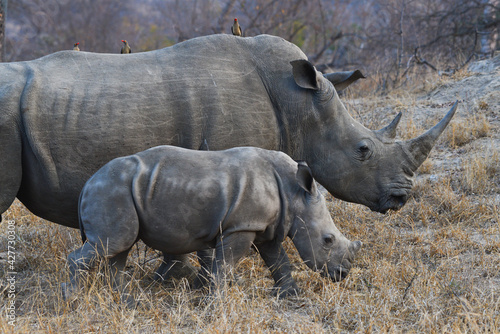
417, 149
342, 80
390, 130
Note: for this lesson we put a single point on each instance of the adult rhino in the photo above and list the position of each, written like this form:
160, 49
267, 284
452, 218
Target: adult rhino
65, 115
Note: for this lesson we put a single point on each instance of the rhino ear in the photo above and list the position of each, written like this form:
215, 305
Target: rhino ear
305, 74
342, 80
305, 179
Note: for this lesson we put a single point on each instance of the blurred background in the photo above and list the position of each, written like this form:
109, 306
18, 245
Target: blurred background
387, 39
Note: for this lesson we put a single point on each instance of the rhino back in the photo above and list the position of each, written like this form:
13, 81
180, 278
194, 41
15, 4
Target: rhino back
81, 109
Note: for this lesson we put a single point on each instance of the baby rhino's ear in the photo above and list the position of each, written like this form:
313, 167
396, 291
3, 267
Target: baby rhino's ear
305, 179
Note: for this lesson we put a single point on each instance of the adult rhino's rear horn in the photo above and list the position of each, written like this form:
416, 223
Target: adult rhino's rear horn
419, 148
389, 131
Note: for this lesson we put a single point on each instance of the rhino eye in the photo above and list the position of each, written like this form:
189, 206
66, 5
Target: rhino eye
329, 239
364, 150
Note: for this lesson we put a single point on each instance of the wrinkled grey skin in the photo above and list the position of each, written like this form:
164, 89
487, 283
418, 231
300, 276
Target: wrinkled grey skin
65, 115
179, 201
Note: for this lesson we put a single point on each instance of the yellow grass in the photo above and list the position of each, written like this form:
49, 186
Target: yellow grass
465, 131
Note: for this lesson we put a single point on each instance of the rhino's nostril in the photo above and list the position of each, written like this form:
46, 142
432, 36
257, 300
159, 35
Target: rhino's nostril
399, 201
408, 171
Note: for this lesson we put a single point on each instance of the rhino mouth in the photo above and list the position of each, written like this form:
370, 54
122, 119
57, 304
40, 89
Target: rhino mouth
394, 201
337, 273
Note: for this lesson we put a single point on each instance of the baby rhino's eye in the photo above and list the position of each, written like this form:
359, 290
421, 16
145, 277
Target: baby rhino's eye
329, 239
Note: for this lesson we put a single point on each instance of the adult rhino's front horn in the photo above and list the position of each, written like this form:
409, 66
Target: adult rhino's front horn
419, 148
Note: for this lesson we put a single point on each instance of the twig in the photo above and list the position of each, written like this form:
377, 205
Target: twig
407, 289
326, 46
422, 61
369, 285
408, 64
449, 71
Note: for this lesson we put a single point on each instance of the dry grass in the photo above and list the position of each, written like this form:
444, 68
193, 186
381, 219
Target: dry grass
432, 267
481, 173
465, 131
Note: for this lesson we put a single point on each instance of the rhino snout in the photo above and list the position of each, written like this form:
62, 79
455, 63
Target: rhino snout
354, 247
338, 272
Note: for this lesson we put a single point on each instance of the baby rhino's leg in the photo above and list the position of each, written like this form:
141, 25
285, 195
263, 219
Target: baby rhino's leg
80, 261
117, 265
84, 258
229, 249
111, 230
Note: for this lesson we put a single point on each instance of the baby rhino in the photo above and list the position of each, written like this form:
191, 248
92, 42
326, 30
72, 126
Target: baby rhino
179, 201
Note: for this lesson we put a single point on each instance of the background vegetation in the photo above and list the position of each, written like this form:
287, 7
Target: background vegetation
385, 38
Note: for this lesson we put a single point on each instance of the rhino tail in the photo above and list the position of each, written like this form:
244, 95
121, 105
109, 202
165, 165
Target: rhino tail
80, 225
204, 146
82, 232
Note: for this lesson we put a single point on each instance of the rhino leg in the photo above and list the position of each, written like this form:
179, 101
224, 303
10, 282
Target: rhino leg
117, 265
175, 266
83, 259
276, 259
79, 261
229, 249
205, 258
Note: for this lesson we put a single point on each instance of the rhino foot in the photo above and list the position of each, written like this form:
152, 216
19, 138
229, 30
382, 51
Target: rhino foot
291, 290
129, 301
67, 291
176, 270
202, 280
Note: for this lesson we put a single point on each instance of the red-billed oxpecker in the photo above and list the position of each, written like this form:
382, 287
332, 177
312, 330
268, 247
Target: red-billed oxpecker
125, 48
236, 29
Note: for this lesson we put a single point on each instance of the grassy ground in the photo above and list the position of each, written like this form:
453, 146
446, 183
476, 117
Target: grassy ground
434, 266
